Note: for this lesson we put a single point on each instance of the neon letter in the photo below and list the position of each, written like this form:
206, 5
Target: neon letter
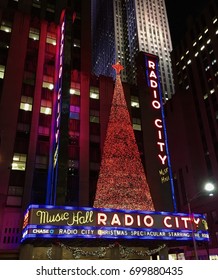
152, 74
157, 123
151, 64
102, 218
128, 220
161, 144
153, 84
115, 220
162, 158
156, 104
147, 223
165, 222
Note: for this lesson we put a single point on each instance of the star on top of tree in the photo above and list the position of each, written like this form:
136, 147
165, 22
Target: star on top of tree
118, 67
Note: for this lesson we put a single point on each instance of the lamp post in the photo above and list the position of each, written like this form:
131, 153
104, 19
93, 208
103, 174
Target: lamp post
209, 187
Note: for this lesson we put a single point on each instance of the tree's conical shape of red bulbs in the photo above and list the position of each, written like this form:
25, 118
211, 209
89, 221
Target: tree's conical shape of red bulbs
122, 182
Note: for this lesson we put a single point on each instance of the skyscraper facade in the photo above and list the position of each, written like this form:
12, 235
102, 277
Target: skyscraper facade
194, 110
133, 26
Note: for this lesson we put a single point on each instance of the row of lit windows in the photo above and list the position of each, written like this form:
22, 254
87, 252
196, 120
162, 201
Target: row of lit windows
26, 105
196, 43
19, 162
33, 33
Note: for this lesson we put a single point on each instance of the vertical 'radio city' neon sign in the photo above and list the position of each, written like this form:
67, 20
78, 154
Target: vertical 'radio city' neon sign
161, 151
153, 82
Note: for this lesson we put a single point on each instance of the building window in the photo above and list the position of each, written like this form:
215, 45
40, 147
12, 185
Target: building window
51, 39
75, 88
94, 93
19, 162
14, 201
15, 190
41, 162
43, 131
94, 116
136, 123
48, 82
29, 78
36, 3
46, 107
2, 71
5, 26
26, 103
134, 101
74, 112
34, 34
74, 91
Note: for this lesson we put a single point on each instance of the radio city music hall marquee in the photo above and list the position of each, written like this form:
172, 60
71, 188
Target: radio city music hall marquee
72, 222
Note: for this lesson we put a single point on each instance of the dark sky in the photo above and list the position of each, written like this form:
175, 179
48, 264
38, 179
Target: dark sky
178, 11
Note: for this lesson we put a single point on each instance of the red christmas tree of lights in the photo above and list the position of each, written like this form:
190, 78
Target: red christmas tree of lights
122, 182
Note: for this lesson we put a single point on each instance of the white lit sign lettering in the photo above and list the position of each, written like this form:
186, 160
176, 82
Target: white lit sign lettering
154, 84
72, 222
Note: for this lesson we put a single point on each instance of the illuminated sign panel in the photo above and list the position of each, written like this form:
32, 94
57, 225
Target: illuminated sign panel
158, 167
73, 222
55, 133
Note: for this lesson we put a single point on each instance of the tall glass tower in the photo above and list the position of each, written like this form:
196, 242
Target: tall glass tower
122, 28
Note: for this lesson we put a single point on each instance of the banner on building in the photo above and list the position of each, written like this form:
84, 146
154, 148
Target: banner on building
73, 222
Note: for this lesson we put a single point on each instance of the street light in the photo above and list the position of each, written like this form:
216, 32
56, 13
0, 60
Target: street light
209, 187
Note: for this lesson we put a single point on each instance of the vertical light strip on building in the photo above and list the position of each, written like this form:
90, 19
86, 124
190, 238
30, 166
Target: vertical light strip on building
55, 126
153, 81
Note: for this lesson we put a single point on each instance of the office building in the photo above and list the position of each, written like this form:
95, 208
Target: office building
121, 29
193, 111
31, 63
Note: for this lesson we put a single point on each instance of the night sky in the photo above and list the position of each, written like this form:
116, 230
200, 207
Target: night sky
178, 12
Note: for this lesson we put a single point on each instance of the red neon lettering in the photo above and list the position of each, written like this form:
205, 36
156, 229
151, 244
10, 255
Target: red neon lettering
156, 104
185, 220
56, 136
148, 221
151, 64
152, 75
138, 220
153, 84
196, 221
61, 49
161, 144
60, 72
128, 220
160, 134
158, 123
165, 222
58, 121
155, 94
177, 222
62, 27
115, 220
163, 159
101, 219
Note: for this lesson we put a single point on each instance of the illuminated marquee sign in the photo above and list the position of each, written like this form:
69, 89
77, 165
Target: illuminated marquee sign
72, 222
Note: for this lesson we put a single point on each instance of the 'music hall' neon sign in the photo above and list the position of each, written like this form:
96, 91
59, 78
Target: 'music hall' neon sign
72, 222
